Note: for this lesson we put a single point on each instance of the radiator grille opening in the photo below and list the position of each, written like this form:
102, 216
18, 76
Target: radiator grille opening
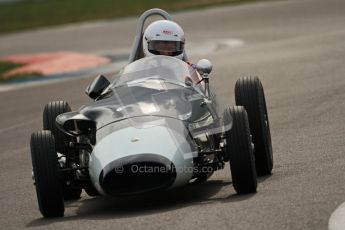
137, 178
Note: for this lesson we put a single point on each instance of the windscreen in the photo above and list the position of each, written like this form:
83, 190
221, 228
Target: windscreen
162, 67
155, 87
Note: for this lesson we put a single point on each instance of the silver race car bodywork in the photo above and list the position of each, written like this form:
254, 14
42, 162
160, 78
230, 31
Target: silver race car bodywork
147, 118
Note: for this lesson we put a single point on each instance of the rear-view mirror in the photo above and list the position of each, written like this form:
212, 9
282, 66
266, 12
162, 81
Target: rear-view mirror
97, 86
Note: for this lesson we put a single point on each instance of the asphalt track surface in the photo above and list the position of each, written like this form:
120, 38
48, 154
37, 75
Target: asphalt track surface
298, 50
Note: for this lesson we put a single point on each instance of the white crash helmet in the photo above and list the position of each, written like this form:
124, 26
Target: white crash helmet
164, 37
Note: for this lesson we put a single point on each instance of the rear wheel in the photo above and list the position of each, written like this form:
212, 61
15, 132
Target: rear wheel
51, 111
45, 170
239, 151
250, 94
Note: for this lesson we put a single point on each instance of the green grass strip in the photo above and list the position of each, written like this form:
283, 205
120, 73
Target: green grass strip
29, 14
7, 66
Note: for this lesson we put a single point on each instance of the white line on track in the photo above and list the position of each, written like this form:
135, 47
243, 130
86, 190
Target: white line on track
337, 219
206, 47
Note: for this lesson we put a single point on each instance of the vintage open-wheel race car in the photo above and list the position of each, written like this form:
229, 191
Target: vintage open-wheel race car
155, 126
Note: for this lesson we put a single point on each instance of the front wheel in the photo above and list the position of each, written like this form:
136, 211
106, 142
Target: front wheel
50, 112
45, 171
239, 151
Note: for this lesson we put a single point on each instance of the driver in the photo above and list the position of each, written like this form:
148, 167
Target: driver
165, 37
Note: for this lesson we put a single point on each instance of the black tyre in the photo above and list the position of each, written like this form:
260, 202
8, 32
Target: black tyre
45, 170
240, 151
250, 94
51, 111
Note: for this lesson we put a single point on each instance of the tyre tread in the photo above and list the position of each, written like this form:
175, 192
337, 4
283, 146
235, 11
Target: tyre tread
250, 94
48, 189
51, 111
241, 157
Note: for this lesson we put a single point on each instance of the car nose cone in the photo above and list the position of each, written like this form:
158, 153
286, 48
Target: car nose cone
131, 160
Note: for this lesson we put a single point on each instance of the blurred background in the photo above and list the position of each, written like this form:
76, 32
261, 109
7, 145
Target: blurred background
28, 15
297, 49
16, 15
